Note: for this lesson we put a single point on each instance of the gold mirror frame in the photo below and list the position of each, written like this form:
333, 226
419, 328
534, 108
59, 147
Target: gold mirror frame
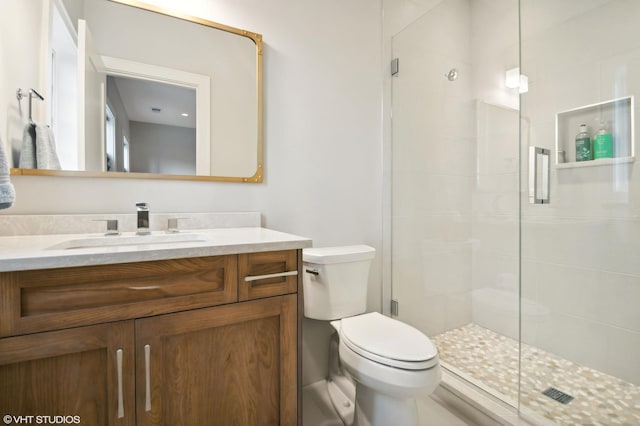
258, 175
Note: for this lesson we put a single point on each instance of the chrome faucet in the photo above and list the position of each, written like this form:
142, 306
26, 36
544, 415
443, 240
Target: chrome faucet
143, 219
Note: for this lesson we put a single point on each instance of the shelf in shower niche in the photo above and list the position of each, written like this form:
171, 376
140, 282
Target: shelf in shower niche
593, 163
618, 113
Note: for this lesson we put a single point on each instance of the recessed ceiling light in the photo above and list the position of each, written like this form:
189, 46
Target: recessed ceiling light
184, 114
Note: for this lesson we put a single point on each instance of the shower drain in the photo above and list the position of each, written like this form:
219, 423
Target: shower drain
558, 395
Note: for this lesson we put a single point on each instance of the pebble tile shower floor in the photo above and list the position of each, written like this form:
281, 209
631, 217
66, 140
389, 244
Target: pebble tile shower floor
492, 359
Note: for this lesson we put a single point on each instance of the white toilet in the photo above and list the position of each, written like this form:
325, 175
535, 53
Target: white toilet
378, 365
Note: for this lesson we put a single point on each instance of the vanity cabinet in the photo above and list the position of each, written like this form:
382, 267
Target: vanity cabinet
167, 342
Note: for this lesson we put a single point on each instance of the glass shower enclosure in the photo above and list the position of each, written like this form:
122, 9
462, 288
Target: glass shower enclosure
513, 249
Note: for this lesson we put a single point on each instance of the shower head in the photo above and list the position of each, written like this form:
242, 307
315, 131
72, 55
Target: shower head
452, 75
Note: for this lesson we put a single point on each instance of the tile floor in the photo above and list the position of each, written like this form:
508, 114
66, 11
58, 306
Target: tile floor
483, 356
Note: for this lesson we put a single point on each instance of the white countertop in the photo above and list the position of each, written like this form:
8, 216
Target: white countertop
19, 253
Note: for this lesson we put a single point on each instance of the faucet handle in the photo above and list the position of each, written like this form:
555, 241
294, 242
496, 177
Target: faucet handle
112, 226
172, 224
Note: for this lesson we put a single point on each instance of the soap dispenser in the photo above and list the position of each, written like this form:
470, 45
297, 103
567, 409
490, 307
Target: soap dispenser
603, 143
583, 145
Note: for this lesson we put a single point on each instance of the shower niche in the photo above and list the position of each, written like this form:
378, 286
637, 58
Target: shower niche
617, 114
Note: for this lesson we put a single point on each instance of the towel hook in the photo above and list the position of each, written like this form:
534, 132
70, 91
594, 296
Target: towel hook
20, 94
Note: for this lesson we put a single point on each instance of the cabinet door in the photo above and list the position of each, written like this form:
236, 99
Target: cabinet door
229, 365
266, 274
86, 373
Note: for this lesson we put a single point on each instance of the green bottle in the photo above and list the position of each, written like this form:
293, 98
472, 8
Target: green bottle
583, 144
602, 143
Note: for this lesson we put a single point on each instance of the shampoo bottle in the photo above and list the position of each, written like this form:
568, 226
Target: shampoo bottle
583, 145
602, 143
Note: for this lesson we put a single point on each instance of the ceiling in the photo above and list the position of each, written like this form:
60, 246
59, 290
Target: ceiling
140, 97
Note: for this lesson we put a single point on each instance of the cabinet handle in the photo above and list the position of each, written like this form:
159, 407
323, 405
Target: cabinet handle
144, 287
120, 396
262, 277
147, 373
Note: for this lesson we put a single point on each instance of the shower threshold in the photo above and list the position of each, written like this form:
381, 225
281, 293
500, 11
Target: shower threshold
491, 362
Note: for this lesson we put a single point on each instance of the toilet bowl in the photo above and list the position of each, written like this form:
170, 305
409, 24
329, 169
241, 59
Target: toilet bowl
391, 364
378, 365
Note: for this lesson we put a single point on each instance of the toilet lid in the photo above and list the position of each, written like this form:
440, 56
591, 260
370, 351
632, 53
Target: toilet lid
388, 341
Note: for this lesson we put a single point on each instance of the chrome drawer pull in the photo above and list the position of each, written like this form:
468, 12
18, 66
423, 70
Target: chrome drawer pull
263, 277
145, 287
120, 396
147, 362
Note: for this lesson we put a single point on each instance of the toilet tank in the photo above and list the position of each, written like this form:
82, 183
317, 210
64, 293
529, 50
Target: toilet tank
335, 281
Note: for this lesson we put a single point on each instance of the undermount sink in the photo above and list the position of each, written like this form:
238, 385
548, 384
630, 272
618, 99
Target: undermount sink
127, 240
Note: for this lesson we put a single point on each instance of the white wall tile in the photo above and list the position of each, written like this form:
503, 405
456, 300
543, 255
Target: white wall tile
622, 354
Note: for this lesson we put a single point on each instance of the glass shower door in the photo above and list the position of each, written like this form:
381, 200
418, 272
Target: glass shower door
580, 348
455, 132
535, 302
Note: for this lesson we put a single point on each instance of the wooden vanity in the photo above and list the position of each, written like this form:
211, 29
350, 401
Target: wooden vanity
207, 340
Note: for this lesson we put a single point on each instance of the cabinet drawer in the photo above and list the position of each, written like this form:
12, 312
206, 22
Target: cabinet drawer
59, 298
267, 274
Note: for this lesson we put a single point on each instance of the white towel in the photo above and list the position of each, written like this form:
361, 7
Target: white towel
46, 154
28, 149
41, 154
7, 192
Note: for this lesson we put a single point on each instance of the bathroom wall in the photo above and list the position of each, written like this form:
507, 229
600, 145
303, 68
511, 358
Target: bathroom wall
20, 52
157, 148
123, 129
322, 140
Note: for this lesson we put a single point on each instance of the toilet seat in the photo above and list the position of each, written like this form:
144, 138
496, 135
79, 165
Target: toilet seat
388, 341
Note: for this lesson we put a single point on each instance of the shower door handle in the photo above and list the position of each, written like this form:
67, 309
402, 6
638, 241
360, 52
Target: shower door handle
539, 169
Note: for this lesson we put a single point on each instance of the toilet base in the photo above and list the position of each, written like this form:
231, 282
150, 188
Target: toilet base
344, 406
377, 409
342, 389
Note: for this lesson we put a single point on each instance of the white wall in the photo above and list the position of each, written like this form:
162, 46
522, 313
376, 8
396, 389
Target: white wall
158, 148
322, 112
23, 51
114, 100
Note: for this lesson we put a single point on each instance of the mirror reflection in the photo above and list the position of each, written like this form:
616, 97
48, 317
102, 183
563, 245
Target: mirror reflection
150, 127
130, 90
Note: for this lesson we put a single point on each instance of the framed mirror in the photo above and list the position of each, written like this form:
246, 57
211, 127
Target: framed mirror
133, 90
